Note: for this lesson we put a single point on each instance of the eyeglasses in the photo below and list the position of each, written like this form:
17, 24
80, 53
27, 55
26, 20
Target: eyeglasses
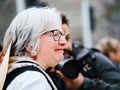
56, 34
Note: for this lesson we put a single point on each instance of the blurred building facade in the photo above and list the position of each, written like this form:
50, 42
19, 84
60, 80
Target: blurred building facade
106, 13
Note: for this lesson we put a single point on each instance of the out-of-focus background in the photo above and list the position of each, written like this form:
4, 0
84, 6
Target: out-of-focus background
90, 20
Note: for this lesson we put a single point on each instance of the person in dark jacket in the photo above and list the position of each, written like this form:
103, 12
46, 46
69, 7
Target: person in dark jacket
110, 47
97, 72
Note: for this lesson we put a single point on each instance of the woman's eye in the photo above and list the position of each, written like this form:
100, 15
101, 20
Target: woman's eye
56, 34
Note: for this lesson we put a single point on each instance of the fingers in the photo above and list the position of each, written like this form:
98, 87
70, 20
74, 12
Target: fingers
72, 83
60, 74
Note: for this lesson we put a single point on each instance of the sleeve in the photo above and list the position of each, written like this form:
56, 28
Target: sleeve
96, 84
29, 80
108, 77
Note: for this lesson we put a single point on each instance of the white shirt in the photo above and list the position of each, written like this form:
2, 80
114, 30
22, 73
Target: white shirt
30, 80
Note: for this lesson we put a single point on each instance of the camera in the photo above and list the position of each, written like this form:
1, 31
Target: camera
81, 61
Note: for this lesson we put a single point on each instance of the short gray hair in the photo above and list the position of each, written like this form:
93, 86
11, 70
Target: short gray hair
27, 26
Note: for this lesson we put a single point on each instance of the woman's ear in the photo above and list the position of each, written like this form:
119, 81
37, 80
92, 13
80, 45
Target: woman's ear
32, 52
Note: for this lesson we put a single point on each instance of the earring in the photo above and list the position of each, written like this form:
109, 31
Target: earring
34, 54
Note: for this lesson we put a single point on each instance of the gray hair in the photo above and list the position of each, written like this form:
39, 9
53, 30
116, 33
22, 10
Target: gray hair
27, 27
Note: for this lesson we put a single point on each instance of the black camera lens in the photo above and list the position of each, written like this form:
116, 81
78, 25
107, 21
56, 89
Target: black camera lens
70, 68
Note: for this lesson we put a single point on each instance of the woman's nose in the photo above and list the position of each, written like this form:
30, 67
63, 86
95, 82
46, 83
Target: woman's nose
62, 40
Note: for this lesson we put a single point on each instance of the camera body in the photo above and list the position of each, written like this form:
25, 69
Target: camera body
81, 61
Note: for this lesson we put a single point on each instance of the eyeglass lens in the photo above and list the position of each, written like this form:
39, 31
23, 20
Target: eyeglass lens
57, 34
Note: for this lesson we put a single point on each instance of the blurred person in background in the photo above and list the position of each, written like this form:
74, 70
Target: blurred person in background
96, 74
66, 29
110, 47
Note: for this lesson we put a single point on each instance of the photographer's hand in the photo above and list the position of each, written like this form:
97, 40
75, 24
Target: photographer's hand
72, 84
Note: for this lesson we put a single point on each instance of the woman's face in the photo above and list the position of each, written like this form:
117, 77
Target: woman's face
51, 49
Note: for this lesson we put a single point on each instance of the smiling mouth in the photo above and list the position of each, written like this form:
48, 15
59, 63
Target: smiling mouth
60, 50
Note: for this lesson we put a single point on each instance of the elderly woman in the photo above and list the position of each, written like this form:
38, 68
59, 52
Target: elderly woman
37, 43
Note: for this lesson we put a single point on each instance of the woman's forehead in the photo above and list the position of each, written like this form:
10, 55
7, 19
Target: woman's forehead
55, 25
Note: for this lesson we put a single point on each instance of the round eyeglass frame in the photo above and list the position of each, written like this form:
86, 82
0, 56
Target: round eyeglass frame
56, 34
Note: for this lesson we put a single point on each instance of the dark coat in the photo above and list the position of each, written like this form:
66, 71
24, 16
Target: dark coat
107, 75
